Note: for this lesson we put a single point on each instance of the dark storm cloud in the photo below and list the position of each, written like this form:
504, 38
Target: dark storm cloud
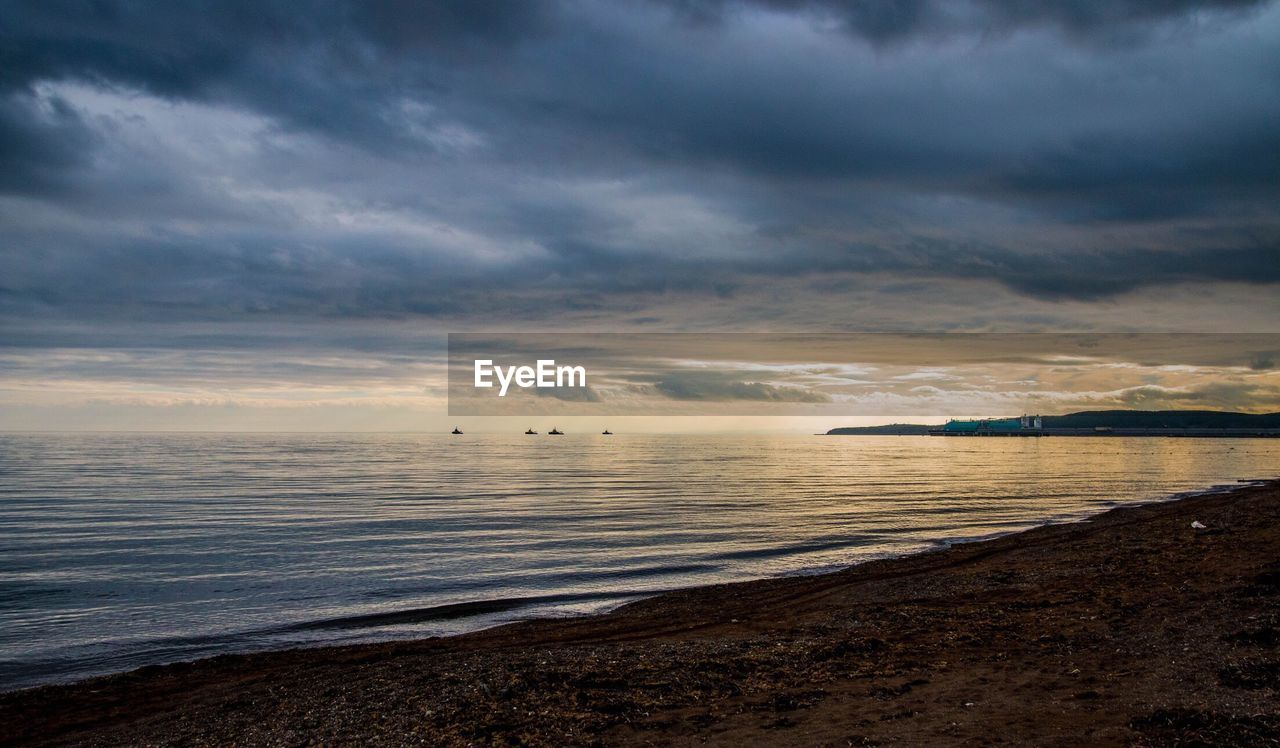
188, 49
1121, 178
41, 146
627, 152
1075, 275
334, 66
895, 20
345, 68
187, 278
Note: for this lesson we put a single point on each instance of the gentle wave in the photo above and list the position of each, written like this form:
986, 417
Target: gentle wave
454, 611
123, 550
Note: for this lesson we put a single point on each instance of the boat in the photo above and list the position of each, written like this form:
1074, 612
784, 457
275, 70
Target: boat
606, 432
456, 430
531, 432
555, 432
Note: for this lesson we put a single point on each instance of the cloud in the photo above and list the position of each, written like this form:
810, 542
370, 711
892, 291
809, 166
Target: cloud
1220, 395
570, 394
717, 386
185, 174
364, 141
904, 19
43, 143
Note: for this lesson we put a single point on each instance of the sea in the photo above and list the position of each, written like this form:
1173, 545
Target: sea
121, 550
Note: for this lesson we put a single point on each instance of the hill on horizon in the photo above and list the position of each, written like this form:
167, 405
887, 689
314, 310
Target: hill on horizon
1087, 419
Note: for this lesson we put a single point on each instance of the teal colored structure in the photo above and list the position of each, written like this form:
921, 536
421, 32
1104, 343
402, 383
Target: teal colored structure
987, 424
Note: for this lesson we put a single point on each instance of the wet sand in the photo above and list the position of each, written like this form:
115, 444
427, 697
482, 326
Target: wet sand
1133, 628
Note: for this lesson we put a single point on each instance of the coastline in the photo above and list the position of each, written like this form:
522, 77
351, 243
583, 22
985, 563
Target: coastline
1125, 626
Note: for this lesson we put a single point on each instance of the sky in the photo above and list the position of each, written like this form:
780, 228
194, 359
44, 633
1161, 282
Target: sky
269, 215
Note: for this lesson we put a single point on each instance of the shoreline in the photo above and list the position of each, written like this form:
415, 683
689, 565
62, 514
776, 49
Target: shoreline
613, 599
813, 659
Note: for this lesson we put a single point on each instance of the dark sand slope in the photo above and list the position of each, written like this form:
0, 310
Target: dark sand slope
1133, 628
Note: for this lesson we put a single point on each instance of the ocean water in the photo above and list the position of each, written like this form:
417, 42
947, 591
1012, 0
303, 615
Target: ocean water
122, 550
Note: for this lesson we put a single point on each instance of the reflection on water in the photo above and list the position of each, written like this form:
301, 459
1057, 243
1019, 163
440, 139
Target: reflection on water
120, 550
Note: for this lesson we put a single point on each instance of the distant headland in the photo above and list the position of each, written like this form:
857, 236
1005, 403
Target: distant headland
1198, 423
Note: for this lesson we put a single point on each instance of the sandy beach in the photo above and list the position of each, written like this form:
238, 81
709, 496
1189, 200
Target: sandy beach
1131, 628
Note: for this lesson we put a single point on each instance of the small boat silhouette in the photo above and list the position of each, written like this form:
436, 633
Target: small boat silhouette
456, 430
531, 431
606, 432
555, 432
